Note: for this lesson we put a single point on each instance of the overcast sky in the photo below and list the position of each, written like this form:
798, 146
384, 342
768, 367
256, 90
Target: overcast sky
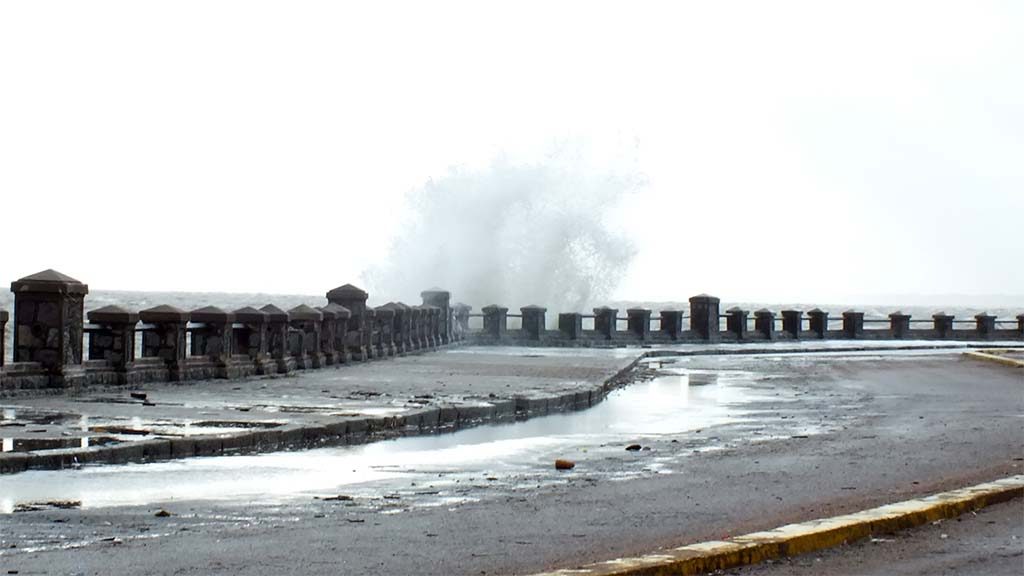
805, 151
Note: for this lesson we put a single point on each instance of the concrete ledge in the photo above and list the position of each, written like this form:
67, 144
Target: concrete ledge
994, 356
796, 539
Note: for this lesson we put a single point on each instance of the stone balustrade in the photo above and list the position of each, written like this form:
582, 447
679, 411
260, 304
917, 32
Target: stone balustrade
705, 324
167, 344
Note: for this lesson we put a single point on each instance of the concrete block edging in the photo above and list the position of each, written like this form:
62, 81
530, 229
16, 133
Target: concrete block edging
804, 537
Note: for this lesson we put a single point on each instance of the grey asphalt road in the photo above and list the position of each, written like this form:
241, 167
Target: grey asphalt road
891, 429
989, 542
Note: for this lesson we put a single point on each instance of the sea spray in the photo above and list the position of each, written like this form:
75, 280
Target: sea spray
512, 234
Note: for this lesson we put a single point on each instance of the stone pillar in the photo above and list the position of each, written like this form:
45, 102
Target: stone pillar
533, 321
48, 321
4, 317
341, 316
853, 324
214, 338
495, 321
672, 323
251, 339
386, 321
638, 321
899, 324
943, 324
985, 324
328, 329
403, 320
165, 338
736, 322
372, 333
704, 317
277, 338
818, 322
764, 323
354, 299
570, 324
442, 300
1020, 325
433, 325
415, 319
114, 341
606, 321
792, 322
305, 322
461, 312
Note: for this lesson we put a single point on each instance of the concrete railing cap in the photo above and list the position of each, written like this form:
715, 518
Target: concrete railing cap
763, 312
604, 310
983, 315
251, 315
385, 310
435, 290
815, 311
534, 307
112, 314
49, 281
326, 313
274, 313
348, 291
735, 309
459, 306
211, 314
898, 314
339, 310
706, 297
789, 311
163, 313
304, 312
851, 312
493, 308
638, 311
942, 315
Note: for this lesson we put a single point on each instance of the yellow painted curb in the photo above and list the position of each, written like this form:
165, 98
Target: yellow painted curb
796, 539
992, 356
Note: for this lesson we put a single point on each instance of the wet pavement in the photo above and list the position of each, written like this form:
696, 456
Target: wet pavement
727, 444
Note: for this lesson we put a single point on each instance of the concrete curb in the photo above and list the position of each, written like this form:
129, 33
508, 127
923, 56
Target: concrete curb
992, 356
796, 539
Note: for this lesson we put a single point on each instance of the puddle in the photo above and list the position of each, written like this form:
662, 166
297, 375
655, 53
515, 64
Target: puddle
431, 469
27, 431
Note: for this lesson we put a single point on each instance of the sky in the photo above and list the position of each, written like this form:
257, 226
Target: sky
788, 151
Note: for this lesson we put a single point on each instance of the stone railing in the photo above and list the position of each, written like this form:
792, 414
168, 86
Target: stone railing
54, 346
704, 323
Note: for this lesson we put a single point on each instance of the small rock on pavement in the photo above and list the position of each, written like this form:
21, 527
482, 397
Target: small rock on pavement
162, 513
561, 464
633, 447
